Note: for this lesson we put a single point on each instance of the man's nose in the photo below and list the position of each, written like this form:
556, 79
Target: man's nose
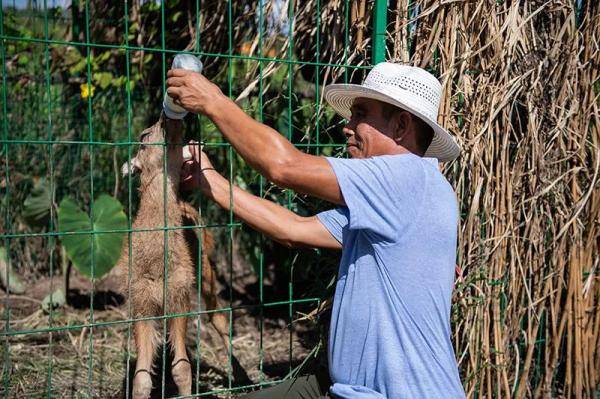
348, 131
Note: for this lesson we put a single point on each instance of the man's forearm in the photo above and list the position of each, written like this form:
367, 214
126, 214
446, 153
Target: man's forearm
262, 215
262, 147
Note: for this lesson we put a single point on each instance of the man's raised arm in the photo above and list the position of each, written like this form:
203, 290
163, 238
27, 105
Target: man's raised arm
267, 151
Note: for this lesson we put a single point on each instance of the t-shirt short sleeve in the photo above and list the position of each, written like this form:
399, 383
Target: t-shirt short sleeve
382, 194
335, 221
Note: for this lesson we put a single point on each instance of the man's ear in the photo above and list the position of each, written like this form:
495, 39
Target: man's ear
401, 122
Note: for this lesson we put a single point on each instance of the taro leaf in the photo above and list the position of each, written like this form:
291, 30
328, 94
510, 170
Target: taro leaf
54, 301
36, 208
107, 214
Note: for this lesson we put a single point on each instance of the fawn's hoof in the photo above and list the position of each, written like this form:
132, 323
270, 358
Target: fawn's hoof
182, 375
142, 385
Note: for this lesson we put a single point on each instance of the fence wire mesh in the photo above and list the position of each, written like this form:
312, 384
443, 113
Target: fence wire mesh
74, 101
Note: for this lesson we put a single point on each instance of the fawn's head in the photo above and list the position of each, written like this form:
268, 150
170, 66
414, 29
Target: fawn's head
149, 159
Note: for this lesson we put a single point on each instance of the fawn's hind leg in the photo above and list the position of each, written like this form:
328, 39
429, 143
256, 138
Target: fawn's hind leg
145, 342
209, 293
181, 367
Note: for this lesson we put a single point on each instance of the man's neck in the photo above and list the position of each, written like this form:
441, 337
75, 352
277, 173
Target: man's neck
399, 149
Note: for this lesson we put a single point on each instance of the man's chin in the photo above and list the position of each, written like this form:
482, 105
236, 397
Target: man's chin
353, 151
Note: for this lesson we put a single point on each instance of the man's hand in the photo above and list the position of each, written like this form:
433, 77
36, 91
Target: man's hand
195, 172
192, 91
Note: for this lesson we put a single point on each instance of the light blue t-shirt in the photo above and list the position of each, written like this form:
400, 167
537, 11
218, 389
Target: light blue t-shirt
390, 326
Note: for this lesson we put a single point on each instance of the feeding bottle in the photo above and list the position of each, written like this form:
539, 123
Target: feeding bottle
181, 61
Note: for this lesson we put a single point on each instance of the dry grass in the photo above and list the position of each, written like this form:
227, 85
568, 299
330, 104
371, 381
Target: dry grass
67, 353
58, 364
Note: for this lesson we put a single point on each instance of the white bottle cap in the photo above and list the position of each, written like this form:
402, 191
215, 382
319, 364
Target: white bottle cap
187, 61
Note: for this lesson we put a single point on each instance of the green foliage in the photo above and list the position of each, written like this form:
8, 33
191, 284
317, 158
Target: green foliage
105, 248
53, 101
36, 208
14, 26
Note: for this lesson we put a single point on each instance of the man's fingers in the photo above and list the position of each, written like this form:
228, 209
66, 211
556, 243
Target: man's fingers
172, 73
194, 149
175, 82
174, 92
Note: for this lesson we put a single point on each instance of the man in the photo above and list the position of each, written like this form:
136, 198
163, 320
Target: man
396, 223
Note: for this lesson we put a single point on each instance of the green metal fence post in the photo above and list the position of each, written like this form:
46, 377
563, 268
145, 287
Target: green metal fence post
379, 24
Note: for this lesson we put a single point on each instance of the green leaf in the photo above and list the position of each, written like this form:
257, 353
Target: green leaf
78, 67
103, 79
36, 208
120, 81
72, 56
23, 59
134, 27
107, 214
176, 16
103, 57
148, 58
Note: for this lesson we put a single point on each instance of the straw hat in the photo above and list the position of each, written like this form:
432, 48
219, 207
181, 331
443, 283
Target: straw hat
410, 88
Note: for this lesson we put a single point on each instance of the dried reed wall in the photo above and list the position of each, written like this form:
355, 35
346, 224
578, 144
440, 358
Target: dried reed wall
519, 93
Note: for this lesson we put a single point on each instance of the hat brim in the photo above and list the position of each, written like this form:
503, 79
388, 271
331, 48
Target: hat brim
342, 96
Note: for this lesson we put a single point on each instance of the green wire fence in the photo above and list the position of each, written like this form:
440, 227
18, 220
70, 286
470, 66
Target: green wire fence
81, 134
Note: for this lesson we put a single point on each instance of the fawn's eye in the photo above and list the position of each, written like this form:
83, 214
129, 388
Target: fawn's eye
143, 137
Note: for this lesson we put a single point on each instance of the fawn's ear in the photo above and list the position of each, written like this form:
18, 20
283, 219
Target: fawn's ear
134, 167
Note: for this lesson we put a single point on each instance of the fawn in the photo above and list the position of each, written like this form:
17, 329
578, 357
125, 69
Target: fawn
146, 286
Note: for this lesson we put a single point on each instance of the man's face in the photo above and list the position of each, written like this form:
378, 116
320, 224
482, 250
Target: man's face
368, 133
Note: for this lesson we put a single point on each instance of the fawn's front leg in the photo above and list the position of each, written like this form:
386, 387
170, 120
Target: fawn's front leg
181, 367
145, 342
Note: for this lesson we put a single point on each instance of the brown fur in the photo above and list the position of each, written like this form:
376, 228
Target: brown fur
146, 286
